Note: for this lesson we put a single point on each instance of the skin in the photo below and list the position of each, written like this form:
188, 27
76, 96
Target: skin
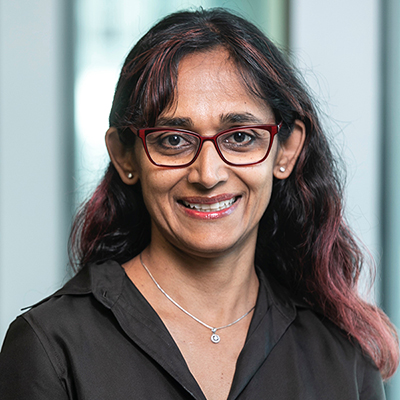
205, 261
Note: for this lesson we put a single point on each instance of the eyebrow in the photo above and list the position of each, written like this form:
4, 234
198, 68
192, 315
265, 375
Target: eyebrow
247, 118
174, 122
230, 118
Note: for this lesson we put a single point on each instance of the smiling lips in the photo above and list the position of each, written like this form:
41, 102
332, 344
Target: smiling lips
213, 207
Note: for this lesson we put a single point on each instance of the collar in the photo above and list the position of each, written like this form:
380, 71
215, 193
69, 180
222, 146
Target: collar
107, 282
103, 280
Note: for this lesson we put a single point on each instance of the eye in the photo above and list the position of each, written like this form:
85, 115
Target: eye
240, 137
244, 140
172, 140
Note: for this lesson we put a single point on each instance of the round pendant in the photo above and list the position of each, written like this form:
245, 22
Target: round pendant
215, 338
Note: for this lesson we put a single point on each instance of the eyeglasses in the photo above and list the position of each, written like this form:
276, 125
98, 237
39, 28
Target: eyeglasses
177, 148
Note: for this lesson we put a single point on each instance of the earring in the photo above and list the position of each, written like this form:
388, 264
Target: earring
130, 176
282, 169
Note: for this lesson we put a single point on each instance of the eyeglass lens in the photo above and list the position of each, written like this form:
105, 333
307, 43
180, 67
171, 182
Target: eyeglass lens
241, 146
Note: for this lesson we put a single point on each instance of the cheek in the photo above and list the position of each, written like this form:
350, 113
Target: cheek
260, 184
152, 189
157, 186
151, 178
265, 191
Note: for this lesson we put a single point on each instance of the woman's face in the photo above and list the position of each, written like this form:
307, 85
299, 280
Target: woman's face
182, 202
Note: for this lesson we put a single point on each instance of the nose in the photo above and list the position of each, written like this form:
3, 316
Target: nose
209, 169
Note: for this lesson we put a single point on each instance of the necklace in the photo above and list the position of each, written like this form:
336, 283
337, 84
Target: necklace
214, 337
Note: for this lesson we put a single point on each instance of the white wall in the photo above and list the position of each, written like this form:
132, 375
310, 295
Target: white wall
391, 168
336, 44
32, 190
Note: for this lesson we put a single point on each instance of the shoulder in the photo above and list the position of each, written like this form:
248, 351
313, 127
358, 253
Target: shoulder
333, 350
29, 366
321, 349
82, 305
84, 299
321, 336
55, 335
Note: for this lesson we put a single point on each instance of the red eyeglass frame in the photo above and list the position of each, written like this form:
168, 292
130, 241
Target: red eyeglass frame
273, 129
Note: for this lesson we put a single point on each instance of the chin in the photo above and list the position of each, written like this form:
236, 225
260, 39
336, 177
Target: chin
209, 249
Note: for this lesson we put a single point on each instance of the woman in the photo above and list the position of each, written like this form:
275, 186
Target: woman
214, 261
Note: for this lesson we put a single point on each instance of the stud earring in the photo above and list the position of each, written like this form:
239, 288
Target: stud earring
130, 176
282, 169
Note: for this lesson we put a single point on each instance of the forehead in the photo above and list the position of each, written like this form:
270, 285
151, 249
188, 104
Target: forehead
214, 67
210, 85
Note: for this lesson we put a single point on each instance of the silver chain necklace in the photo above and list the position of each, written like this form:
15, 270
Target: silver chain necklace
214, 337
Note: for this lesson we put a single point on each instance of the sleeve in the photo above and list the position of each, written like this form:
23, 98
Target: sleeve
372, 387
26, 372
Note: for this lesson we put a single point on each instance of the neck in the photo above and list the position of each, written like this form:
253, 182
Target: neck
218, 289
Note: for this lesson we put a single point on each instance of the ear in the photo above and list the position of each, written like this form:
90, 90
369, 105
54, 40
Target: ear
121, 157
289, 151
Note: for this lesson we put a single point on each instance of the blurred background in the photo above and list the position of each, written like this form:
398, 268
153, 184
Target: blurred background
59, 64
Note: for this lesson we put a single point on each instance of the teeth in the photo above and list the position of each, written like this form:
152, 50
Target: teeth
210, 207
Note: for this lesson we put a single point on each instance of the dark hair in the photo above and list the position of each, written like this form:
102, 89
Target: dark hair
303, 240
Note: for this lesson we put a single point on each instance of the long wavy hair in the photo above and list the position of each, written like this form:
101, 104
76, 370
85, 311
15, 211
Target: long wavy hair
303, 240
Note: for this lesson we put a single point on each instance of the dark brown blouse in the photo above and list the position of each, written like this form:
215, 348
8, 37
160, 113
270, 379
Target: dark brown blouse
98, 338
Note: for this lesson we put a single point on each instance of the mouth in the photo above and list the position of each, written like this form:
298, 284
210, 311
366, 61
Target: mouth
213, 207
